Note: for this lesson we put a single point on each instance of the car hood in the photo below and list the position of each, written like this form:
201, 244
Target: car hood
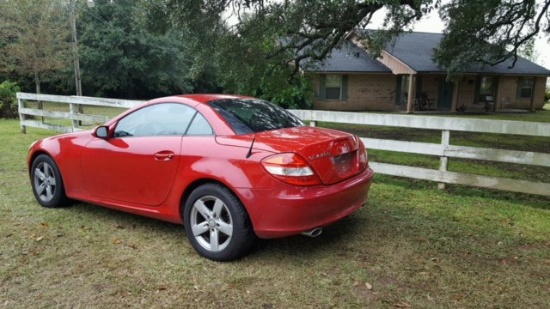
332, 154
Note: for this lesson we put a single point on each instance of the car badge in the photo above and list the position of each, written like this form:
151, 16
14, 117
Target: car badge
320, 155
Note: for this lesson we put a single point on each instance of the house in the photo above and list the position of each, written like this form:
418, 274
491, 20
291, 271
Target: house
405, 78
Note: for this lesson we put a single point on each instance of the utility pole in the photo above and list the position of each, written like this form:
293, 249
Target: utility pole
76, 59
78, 81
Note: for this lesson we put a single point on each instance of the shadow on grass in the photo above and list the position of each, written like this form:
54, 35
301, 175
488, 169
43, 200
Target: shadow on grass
110, 217
301, 249
298, 248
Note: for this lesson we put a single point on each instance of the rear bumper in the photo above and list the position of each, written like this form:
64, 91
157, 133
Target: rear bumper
289, 210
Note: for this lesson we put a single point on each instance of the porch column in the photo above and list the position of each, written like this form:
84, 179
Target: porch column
454, 104
412, 94
532, 101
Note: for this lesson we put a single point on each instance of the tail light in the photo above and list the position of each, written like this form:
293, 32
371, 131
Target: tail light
290, 168
363, 155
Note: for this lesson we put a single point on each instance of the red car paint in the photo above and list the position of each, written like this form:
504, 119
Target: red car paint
153, 175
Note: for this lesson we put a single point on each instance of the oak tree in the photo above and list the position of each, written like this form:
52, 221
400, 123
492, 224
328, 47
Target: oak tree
483, 31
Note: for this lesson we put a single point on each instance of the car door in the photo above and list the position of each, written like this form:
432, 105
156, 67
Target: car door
139, 163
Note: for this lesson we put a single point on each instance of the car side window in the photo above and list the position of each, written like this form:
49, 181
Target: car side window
155, 120
199, 126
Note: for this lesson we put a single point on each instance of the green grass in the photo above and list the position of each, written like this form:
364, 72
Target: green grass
412, 246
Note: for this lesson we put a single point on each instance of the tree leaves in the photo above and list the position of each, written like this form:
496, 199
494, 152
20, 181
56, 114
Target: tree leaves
147, 48
36, 36
489, 32
120, 56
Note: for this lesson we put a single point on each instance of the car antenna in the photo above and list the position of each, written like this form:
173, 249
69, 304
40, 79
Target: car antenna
251, 145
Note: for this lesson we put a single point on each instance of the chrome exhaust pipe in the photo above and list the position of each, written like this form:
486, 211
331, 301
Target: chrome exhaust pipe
313, 233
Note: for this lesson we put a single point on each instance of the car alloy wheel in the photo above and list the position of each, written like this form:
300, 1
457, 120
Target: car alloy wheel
46, 181
217, 224
211, 223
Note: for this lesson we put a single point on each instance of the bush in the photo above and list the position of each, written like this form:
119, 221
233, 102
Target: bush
547, 96
296, 96
8, 100
290, 93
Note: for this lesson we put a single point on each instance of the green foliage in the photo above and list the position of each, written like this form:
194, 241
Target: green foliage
247, 59
297, 94
35, 38
119, 57
203, 33
489, 32
8, 101
547, 96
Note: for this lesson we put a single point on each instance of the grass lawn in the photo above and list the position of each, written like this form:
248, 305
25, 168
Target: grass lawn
412, 246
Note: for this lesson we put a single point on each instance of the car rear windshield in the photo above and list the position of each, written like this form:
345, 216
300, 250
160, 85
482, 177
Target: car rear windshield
252, 115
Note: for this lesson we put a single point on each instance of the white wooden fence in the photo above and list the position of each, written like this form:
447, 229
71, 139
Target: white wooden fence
73, 114
444, 150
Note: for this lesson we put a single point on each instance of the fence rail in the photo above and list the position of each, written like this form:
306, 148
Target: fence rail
444, 150
73, 114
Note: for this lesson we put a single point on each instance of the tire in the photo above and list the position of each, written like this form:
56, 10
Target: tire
46, 182
217, 224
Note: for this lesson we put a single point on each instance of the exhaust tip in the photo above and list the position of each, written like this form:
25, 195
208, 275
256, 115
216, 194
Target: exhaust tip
313, 233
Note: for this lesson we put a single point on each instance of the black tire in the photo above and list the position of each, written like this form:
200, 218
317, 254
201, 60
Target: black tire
221, 234
47, 184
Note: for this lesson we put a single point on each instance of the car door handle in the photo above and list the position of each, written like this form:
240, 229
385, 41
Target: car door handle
164, 155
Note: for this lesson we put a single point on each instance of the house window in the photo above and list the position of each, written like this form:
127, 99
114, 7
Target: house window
333, 87
525, 88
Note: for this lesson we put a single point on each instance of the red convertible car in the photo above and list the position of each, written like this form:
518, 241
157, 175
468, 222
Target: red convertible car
231, 169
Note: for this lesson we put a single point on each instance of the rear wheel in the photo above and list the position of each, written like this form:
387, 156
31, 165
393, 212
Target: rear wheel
46, 182
217, 224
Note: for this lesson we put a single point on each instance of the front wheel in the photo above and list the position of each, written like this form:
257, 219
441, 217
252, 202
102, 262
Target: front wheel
47, 184
217, 224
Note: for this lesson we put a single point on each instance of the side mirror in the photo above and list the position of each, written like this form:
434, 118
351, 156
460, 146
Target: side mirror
101, 132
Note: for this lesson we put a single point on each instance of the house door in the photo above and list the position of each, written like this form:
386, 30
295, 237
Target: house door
445, 97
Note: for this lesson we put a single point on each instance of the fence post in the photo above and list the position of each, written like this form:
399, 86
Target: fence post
445, 139
74, 112
21, 105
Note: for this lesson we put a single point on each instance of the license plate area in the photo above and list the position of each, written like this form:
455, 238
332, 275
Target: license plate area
344, 163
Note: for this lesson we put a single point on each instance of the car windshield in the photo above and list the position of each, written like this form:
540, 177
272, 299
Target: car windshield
252, 115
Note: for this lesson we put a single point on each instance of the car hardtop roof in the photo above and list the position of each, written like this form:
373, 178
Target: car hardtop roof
205, 98
196, 99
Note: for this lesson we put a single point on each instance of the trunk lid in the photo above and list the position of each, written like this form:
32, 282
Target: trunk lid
333, 155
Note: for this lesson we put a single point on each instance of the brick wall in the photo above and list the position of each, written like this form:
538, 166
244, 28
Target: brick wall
370, 92
507, 96
507, 93
466, 94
